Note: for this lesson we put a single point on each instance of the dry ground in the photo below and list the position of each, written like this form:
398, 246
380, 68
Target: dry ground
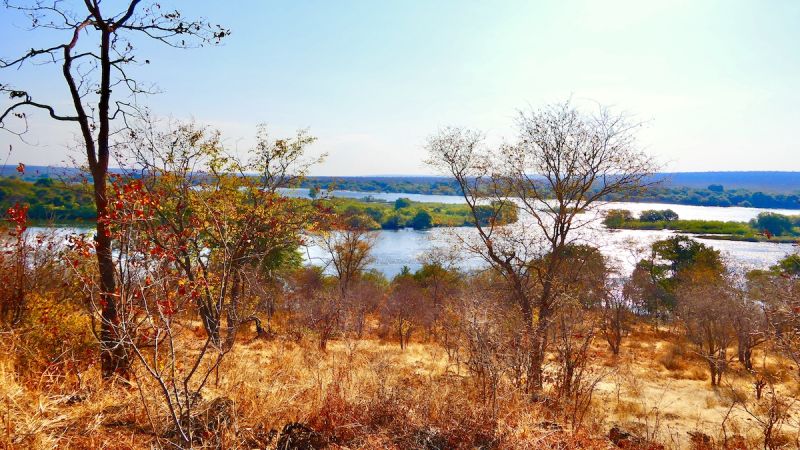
370, 394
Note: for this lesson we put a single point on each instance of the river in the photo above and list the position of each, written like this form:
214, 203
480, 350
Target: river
397, 248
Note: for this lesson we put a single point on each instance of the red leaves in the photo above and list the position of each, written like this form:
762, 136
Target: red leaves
18, 216
167, 307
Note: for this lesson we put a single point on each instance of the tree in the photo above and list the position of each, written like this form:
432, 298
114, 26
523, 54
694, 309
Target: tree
772, 223
348, 252
217, 223
403, 307
439, 285
655, 279
422, 220
615, 316
401, 203
562, 165
96, 50
615, 218
779, 292
707, 309
652, 215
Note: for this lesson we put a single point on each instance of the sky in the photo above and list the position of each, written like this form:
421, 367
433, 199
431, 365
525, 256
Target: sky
716, 83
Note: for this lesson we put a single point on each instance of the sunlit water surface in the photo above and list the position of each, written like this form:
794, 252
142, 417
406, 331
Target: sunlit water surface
395, 249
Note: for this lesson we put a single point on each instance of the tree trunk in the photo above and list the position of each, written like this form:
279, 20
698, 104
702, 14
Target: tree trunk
113, 354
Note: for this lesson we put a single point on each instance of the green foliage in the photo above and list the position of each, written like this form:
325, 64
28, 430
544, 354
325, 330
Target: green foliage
48, 199
615, 218
790, 265
778, 225
711, 195
401, 203
652, 215
681, 195
681, 253
393, 222
500, 212
775, 224
655, 279
422, 220
376, 215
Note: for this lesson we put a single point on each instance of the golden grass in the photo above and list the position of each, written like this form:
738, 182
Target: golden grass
371, 394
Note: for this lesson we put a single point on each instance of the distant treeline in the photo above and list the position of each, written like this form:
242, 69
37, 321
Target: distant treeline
408, 185
711, 195
666, 191
715, 195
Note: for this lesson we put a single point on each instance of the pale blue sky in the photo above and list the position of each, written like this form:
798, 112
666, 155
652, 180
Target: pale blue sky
718, 82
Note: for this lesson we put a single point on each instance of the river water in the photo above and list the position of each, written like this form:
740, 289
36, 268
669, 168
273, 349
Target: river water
397, 248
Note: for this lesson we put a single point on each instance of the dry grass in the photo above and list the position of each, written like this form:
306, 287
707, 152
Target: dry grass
369, 394
662, 391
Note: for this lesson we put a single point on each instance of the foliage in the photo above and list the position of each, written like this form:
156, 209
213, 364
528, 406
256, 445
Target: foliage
776, 224
49, 200
656, 278
784, 196
616, 218
422, 220
376, 215
652, 215
401, 203
766, 226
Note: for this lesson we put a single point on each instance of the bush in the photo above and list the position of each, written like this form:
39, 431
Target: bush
422, 220
614, 218
652, 215
401, 203
776, 224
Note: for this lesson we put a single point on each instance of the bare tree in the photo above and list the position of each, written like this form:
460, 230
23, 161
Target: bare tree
614, 316
780, 295
96, 50
564, 163
750, 326
403, 307
706, 308
347, 251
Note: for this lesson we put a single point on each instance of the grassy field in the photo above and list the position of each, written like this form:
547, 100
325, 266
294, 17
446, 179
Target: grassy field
370, 394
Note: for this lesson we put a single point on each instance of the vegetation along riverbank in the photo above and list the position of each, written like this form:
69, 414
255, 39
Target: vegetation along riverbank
766, 227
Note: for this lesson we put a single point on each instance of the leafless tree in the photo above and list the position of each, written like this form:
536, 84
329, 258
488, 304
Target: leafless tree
615, 316
564, 163
348, 250
706, 308
96, 49
750, 326
403, 308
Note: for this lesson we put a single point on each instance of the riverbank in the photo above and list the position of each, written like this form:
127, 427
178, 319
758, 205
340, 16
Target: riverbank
766, 227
